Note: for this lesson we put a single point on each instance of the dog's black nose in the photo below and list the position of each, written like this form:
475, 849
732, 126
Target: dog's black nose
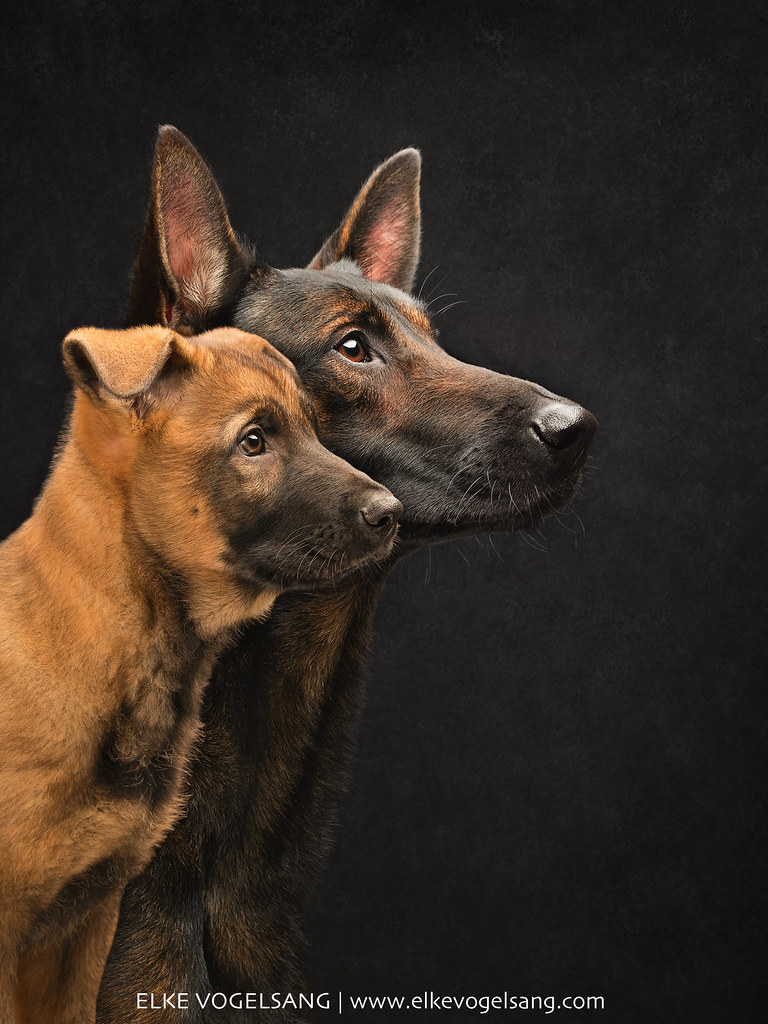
566, 429
382, 513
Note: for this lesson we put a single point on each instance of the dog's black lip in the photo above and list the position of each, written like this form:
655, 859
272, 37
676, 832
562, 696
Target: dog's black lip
378, 556
413, 532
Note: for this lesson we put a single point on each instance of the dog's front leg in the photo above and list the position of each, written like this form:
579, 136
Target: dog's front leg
159, 945
59, 983
12, 929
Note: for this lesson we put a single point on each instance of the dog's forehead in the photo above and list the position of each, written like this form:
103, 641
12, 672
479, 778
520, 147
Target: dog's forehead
232, 343
296, 307
343, 285
238, 372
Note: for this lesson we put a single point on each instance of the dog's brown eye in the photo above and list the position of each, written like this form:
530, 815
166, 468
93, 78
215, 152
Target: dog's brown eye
253, 442
353, 348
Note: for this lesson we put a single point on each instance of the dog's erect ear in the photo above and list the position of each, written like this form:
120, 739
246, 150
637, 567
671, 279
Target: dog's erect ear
123, 365
189, 265
382, 228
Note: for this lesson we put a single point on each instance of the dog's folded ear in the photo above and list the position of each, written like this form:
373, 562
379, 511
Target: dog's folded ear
189, 264
123, 365
381, 230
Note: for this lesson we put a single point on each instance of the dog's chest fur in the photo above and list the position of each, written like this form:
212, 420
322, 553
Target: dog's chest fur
144, 746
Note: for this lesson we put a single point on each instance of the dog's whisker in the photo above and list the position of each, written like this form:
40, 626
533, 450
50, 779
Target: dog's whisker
423, 283
490, 538
299, 530
513, 502
530, 541
565, 526
301, 563
458, 550
450, 483
444, 295
315, 556
573, 512
458, 302
465, 498
435, 288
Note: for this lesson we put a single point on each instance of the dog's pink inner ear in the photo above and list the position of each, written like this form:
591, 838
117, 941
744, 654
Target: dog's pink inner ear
382, 256
381, 229
187, 229
381, 232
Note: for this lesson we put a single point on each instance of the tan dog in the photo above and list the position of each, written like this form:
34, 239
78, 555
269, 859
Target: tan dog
190, 490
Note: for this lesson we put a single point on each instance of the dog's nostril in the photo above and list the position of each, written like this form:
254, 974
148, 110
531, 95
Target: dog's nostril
557, 439
380, 523
563, 427
382, 513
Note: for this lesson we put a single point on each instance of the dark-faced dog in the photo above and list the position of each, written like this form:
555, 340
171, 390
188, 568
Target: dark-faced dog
465, 449
190, 491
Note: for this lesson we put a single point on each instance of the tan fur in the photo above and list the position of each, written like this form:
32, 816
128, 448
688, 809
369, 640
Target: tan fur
115, 597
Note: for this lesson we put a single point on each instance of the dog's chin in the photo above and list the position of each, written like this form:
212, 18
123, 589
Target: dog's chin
323, 571
505, 515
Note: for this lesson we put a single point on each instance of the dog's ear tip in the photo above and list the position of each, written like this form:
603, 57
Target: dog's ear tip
79, 340
74, 354
408, 158
76, 336
168, 135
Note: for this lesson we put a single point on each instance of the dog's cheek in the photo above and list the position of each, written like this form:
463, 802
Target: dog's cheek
240, 495
189, 535
174, 516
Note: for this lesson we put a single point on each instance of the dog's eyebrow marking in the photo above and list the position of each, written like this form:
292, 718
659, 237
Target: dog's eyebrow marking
268, 412
276, 409
417, 317
374, 315
337, 320
354, 313
398, 322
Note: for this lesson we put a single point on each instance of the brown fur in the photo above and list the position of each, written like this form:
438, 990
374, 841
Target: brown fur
115, 597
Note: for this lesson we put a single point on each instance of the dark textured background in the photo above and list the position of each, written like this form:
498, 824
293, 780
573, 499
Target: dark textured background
558, 788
